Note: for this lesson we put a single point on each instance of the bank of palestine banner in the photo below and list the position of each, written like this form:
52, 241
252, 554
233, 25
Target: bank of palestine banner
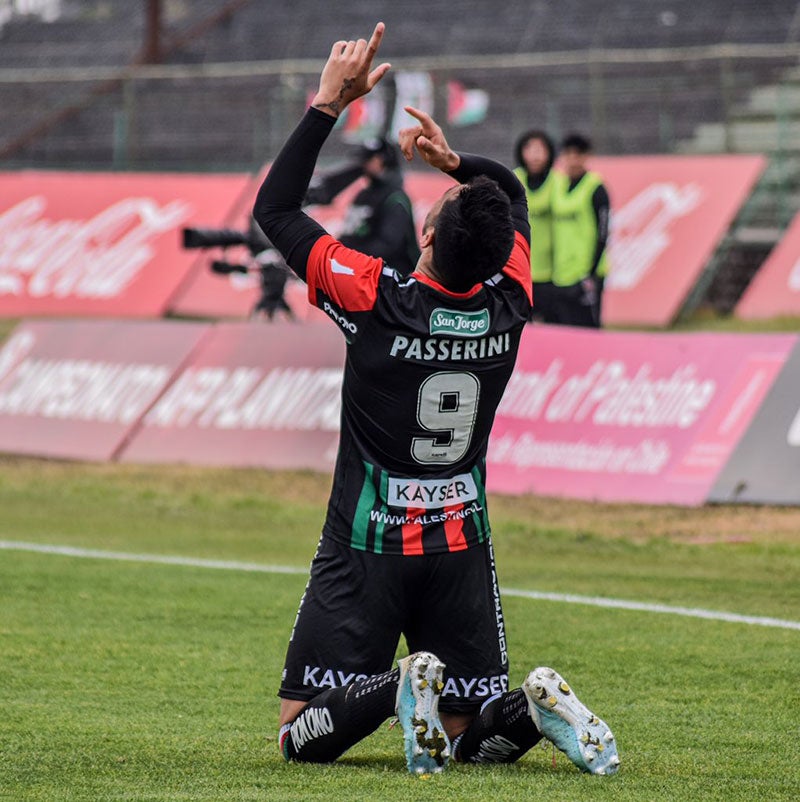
78, 389
615, 416
628, 417
102, 244
651, 418
775, 288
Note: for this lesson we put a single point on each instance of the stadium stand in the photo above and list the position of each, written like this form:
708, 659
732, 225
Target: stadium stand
642, 77
100, 32
649, 105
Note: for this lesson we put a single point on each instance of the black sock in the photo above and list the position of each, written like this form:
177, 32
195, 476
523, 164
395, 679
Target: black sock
501, 733
338, 718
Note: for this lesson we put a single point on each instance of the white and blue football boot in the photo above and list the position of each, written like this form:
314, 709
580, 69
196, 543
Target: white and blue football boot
426, 744
563, 719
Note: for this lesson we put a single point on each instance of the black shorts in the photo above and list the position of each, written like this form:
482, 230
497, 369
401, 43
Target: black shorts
357, 604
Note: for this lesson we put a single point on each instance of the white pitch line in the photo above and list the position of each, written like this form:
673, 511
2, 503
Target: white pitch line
233, 565
646, 607
161, 559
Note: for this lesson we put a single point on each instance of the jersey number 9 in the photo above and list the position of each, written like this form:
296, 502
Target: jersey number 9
447, 405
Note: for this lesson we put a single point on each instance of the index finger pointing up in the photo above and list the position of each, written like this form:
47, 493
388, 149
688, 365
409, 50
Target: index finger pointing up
425, 119
375, 39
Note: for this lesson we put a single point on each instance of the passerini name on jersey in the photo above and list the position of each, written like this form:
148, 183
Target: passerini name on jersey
442, 349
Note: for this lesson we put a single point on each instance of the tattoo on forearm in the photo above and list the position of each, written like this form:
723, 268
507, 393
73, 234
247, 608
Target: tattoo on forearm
336, 105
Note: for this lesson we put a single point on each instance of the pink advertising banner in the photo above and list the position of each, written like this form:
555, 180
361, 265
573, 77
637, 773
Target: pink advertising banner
668, 215
613, 416
76, 390
775, 288
101, 244
256, 394
618, 416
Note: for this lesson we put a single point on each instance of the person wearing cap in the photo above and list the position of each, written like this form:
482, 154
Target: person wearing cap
380, 220
534, 154
581, 211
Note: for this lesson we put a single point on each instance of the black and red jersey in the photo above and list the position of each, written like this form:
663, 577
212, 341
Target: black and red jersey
425, 368
424, 374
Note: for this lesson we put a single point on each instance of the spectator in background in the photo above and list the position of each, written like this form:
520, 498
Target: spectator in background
581, 210
380, 220
535, 153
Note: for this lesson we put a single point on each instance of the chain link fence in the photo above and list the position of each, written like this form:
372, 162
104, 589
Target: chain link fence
234, 116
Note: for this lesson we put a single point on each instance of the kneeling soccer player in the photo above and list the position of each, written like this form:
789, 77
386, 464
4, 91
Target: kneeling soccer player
406, 547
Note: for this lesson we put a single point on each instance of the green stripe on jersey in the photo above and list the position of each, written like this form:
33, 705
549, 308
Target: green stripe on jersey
384, 492
366, 501
482, 519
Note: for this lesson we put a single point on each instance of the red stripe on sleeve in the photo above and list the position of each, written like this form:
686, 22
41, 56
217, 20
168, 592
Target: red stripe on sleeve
518, 266
349, 278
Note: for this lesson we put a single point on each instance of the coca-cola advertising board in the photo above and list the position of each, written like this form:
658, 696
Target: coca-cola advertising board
775, 288
78, 389
101, 244
622, 416
668, 215
257, 394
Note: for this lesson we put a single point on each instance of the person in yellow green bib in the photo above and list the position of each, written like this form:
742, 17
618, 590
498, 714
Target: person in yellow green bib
581, 214
534, 154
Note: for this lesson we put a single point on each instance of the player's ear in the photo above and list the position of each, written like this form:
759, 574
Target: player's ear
426, 238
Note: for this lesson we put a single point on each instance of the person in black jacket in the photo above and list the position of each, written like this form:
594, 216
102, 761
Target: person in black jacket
380, 220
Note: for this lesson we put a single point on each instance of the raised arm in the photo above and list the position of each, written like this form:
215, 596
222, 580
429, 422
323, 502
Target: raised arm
278, 206
429, 141
347, 75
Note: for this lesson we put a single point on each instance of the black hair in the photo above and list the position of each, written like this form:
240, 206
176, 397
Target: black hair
534, 133
473, 235
577, 142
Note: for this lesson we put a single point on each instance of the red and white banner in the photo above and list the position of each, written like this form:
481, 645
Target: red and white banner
109, 244
76, 390
775, 288
101, 244
668, 215
619, 416
256, 394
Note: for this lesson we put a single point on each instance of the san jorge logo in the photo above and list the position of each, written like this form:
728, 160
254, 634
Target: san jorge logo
459, 324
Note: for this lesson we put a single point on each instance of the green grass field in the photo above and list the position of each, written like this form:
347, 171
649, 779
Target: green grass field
128, 680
